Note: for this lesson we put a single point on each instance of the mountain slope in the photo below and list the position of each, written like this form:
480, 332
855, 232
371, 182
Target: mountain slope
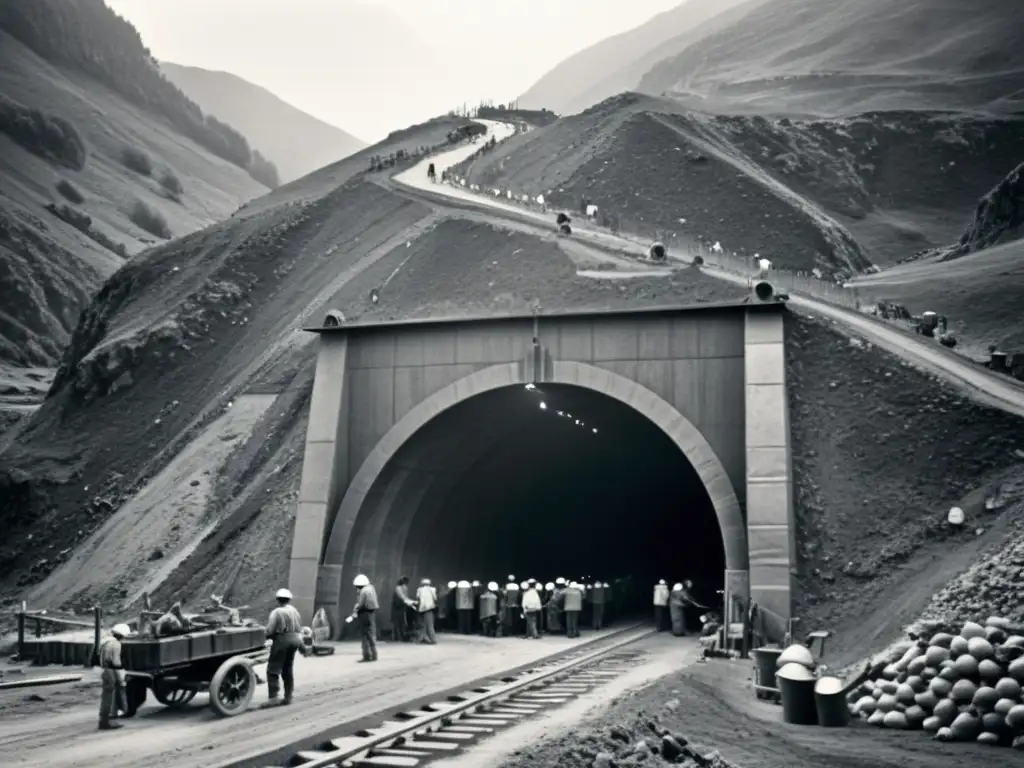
296, 142
50, 268
833, 57
617, 63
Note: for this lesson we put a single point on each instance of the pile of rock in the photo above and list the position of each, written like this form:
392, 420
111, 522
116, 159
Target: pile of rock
963, 686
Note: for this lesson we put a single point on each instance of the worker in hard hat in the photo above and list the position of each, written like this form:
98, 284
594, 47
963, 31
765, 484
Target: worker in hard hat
556, 606
426, 605
572, 603
464, 606
597, 605
477, 590
365, 612
446, 606
660, 604
112, 679
400, 605
676, 604
284, 629
489, 610
532, 606
512, 603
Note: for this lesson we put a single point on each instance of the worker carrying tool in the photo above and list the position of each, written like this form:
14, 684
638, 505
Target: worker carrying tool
489, 610
284, 630
464, 606
426, 605
365, 611
660, 603
112, 696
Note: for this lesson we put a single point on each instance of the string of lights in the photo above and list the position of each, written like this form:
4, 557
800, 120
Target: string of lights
564, 414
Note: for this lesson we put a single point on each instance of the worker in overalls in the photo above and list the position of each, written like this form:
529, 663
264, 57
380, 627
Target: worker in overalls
478, 590
284, 630
489, 610
556, 606
400, 604
365, 612
532, 606
446, 606
511, 617
112, 697
464, 606
573, 605
597, 605
676, 605
660, 604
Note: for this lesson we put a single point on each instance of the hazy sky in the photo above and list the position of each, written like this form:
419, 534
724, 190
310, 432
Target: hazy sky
372, 66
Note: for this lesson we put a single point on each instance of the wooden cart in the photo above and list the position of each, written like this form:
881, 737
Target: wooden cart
218, 662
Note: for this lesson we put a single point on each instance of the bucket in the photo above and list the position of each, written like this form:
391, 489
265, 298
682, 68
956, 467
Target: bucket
764, 666
796, 684
830, 703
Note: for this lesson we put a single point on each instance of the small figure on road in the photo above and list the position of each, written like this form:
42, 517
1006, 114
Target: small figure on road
426, 604
431, 173
112, 695
284, 629
365, 612
660, 603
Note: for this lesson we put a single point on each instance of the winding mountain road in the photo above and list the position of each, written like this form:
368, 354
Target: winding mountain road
976, 382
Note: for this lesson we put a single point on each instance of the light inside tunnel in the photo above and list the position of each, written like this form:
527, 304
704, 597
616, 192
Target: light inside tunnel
547, 481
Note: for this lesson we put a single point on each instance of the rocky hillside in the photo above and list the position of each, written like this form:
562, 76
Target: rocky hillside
296, 142
999, 216
95, 167
836, 58
836, 195
618, 63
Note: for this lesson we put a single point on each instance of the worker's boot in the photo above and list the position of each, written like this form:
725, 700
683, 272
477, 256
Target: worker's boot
107, 725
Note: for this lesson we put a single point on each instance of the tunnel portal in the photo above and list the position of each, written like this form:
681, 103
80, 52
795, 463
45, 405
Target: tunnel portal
650, 443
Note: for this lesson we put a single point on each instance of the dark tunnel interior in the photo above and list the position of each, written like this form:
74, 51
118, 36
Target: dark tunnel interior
541, 482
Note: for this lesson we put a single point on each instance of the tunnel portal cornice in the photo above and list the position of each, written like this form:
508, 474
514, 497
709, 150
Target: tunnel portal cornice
710, 376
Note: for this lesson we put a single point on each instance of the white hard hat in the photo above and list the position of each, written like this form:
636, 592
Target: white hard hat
524, 584
606, 585
549, 586
661, 581
559, 580
573, 585
476, 583
425, 582
361, 581
511, 577
121, 630
493, 586
284, 594
511, 585
463, 584
676, 587
452, 585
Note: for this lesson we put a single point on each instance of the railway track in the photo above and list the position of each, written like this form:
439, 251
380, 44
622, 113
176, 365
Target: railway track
442, 728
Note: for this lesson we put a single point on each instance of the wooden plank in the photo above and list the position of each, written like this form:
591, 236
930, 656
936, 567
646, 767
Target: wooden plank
31, 682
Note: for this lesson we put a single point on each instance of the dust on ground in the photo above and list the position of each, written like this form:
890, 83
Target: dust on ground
712, 705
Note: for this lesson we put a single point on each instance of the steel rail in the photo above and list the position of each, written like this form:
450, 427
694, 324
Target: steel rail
435, 715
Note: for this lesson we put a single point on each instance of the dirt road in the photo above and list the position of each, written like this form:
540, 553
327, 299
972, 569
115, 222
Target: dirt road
978, 383
331, 690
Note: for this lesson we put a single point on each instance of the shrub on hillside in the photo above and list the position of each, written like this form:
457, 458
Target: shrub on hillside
90, 37
264, 171
83, 223
146, 218
137, 160
70, 192
172, 185
43, 134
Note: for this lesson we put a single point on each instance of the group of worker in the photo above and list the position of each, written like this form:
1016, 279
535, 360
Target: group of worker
670, 606
518, 609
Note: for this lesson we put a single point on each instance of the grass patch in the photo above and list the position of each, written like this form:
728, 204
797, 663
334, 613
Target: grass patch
83, 223
136, 160
149, 220
70, 192
43, 134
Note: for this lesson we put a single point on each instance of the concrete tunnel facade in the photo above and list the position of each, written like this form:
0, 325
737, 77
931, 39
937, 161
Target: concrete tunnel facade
403, 415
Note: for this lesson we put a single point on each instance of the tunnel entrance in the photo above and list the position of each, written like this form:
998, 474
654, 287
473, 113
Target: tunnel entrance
540, 481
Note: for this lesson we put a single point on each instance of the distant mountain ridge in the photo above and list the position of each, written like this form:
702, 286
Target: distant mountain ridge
295, 141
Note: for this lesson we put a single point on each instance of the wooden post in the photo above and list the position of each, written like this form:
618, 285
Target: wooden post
97, 615
21, 633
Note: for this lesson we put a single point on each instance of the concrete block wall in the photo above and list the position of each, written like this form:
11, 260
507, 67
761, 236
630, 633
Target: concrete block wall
770, 525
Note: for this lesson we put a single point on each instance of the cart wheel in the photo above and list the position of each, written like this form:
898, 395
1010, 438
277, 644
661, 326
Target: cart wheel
134, 695
171, 695
232, 687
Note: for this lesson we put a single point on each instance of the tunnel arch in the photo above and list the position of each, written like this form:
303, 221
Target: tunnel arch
356, 539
